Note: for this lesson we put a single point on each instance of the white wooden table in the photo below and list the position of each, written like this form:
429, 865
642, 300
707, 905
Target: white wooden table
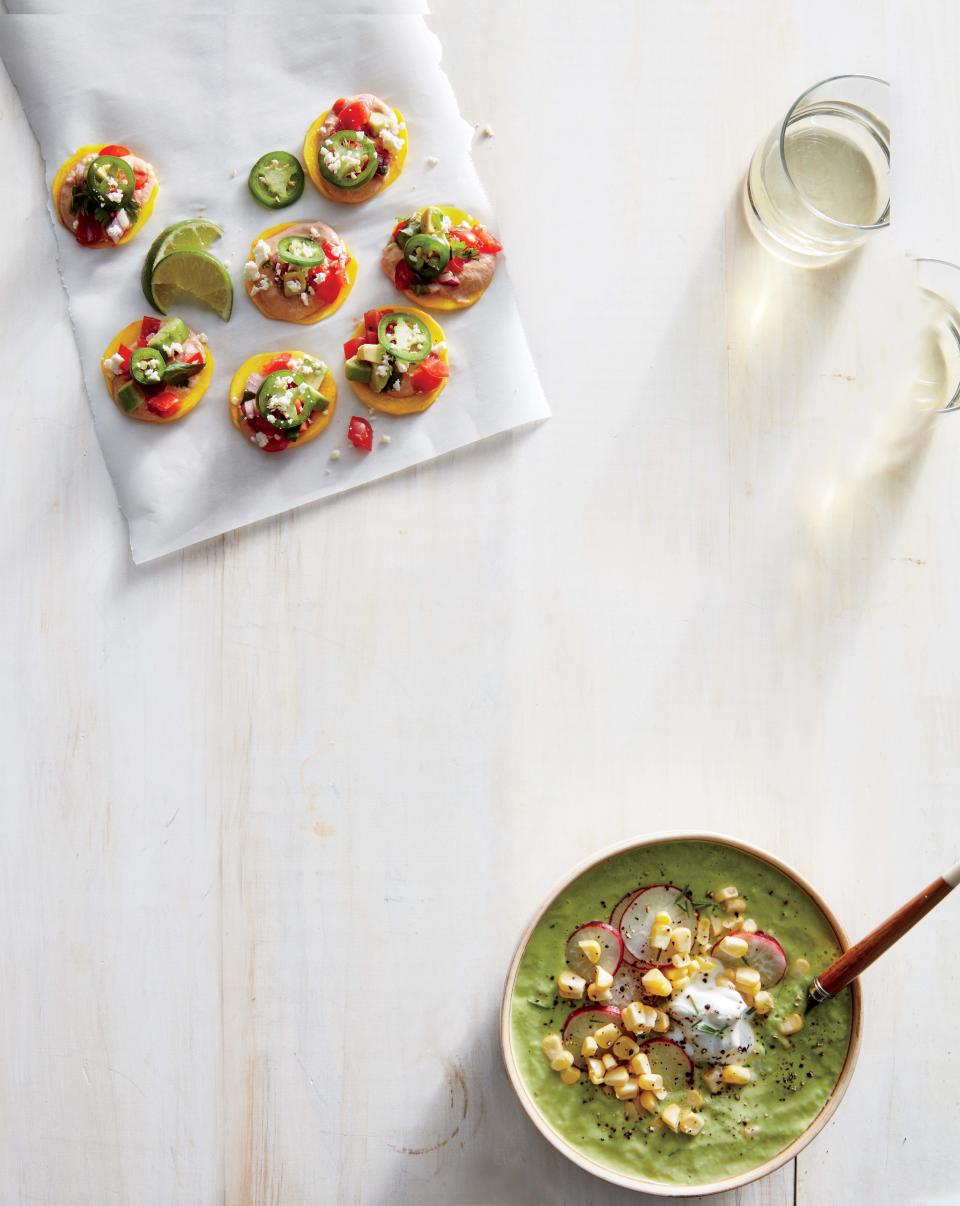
274, 810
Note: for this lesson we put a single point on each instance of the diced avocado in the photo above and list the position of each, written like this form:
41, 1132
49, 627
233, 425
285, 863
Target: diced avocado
377, 120
130, 395
379, 378
309, 396
371, 353
431, 220
355, 371
173, 330
177, 373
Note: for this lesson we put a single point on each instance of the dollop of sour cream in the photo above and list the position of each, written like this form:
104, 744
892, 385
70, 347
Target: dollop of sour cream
711, 1022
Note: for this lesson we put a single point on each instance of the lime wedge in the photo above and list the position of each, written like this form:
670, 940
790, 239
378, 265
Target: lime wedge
191, 234
192, 276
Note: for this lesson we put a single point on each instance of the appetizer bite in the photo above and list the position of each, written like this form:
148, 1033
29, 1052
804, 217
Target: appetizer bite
299, 272
441, 258
103, 195
397, 360
356, 149
665, 1036
276, 180
157, 370
282, 400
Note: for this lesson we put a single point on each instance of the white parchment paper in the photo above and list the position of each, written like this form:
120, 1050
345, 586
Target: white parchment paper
202, 107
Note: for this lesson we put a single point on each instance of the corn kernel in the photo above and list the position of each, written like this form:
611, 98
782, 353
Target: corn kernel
625, 1048
737, 905
662, 919
676, 973
660, 937
715, 926
599, 995
552, 1045
703, 931
640, 1064
695, 1099
650, 1080
680, 961
681, 938
596, 1071
570, 1076
791, 1024
681, 984
662, 1024
627, 1091
691, 1123
706, 964
722, 894
736, 1074
763, 1002
749, 926
801, 967
616, 1076
588, 1046
634, 1016
733, 947
561, 1062
609, 1061
606, 1036
570, 985
656, 983
591, 949
747, 977
711, 1078
602, 979
723, 982
648, 1102
671, 1116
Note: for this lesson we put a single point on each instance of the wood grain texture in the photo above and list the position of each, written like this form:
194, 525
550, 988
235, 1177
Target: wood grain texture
257, 795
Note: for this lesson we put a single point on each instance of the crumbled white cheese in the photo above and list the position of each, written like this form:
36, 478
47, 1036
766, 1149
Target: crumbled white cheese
440, 347
261, 253
487, 131
234, 174
314, 232
114, 364
384, 439
171, 349
260, 439
391, 141
250, 271
114, 231
335, 455
292, 287
432, 161
115, 196
305, 297
202, 336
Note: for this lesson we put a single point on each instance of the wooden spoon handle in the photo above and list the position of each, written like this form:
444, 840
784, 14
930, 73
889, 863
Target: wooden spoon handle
859, 956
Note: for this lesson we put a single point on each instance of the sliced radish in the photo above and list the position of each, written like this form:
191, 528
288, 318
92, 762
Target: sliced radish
627, 986
584, 1021
618, 908
639, 914
764, 953
611, 949
669, 1060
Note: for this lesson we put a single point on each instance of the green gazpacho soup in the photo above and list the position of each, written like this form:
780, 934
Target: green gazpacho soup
674, 978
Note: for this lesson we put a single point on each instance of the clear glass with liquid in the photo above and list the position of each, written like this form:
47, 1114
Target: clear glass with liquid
819, 184
937, 383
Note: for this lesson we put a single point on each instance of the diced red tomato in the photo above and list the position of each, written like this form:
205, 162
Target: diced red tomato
194, 358
360, 434
404, 276
466, 234
149, 326
164, 404
275, 365
399, 226
328, 289
338, 104
275, 441
352, 345
371, 320
114, 149
125, 354
88, 230
456, 264
354, 116
140, 179
485, 241
429, 374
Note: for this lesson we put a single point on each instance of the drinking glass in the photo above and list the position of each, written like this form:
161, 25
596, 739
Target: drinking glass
819, 183
937, 385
